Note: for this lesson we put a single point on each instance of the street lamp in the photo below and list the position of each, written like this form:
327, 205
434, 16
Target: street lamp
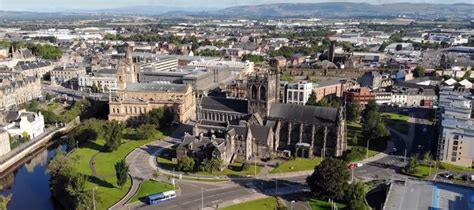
93, 195
367, 152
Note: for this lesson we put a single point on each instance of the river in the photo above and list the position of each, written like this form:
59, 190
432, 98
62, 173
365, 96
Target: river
29, 183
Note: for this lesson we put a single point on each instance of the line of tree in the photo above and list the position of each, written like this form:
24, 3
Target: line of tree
253, 58
45, 51
68, 186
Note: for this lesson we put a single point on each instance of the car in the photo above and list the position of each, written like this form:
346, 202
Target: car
359, 164
447, 176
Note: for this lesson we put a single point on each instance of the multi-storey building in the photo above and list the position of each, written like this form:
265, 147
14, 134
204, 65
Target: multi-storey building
456, 127
104, 80
63, 74
298, 93
16, 90
135, 99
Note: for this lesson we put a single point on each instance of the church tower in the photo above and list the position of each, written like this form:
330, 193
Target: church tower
261, 92
127, 70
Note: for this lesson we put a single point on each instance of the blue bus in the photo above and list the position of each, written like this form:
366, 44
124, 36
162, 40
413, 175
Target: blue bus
161, 197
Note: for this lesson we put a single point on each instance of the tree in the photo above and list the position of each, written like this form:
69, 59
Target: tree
467, 75
427, 158
146, 131
186, 164
355, 196
67, 185
154, 116
373, 126
26, 136
353, 111
211, 165
4, 200
121, 172
329, 179
419, 71
311, 100
113, 135
253, 58
412, 164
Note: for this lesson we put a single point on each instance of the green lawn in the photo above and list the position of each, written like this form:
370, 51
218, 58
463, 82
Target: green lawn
269, 203
150, 187
107, 188
452, 167
323, 205
398, 122
354, 129
298, 164
165, 160
423, 171
234, 169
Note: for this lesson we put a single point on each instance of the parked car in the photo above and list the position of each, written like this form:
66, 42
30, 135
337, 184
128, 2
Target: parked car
447, 176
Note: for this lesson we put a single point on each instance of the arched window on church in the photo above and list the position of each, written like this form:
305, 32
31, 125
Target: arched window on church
254, 92
263, 93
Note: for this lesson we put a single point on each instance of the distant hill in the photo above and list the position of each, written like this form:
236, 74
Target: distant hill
323, 10
342, 9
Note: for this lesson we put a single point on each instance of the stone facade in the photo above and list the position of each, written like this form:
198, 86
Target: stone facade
135, 99
16, 91
308, 130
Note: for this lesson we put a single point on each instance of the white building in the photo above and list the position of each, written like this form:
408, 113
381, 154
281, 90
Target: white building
4, 142
105, 80
456, 136
298, 93
236, 67
24, 121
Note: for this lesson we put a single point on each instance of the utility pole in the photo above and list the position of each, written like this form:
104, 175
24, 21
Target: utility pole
202, 198
255, 166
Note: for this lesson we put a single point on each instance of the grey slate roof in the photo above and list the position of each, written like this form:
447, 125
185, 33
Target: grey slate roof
302, 113
260, 133
224, 104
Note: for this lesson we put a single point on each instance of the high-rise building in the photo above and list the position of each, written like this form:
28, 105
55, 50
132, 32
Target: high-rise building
456, 127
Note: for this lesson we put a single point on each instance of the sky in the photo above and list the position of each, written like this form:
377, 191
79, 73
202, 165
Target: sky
58, 5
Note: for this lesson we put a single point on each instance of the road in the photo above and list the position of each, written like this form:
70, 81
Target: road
193, 195
233, 191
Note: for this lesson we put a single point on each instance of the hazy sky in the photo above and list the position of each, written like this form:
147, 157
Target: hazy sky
55, 5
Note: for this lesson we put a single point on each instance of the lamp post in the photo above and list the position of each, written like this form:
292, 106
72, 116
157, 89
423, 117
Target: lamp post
367, 152
93, 196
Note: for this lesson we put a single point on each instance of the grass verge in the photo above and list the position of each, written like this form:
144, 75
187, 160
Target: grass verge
298, 164
148, 188
269, 203
323, 205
